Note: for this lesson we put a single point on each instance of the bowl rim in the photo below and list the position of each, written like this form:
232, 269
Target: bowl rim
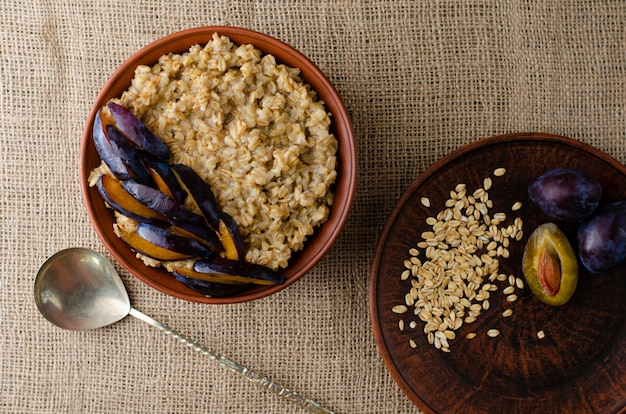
344, 187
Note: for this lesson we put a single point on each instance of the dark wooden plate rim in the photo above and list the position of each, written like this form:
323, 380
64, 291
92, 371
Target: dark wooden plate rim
375, 277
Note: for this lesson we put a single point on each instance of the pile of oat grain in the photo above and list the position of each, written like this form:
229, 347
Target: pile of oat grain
453, 269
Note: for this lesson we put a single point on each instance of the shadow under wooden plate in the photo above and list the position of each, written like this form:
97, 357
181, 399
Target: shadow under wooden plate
580, 365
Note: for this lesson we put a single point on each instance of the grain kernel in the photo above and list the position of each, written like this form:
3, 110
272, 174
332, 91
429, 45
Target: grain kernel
493, 333
399, 309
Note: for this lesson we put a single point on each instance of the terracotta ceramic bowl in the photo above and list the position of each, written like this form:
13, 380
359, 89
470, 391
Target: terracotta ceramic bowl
316, 246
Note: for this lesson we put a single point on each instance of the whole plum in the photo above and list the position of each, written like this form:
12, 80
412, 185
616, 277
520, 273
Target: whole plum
566, 194
602, 238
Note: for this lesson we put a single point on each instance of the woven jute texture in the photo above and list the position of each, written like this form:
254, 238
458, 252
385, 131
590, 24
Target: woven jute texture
419, 78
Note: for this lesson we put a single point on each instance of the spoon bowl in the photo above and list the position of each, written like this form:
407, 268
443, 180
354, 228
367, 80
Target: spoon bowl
78, 289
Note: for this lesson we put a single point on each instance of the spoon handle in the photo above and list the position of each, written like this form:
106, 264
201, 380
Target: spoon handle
247, 373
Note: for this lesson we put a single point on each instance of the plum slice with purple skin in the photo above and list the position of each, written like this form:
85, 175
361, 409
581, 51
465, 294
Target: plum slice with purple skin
174, 211
131, 156
200, 193
170, 240
213, 289
137, 131
160, 243
236, 270
164, 178
121, 201
230, 236
147, 248
106, 151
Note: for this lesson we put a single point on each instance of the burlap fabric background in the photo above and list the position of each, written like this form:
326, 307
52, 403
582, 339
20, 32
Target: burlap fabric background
419, 78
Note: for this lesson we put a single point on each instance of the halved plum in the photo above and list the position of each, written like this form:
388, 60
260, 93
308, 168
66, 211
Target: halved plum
105, 150
549, 265
200, 193
219, 269
121, 201
213, 289
137, 131
174, 211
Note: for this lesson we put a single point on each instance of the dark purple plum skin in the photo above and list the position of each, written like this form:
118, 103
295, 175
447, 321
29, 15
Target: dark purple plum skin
131, 156
107, 152
566, 194
104, 192
220, 265
602, 238
216, 290
163, 169
201, 192
175, 212
162, 237
137, 131
235, 234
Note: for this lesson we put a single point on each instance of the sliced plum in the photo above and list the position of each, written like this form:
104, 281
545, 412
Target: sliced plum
200, 193
137, 131
230, 236
170, 240
174, 211
131, 156
213, 289
147, 248
164, 178
236, 270
121, 201
106, 151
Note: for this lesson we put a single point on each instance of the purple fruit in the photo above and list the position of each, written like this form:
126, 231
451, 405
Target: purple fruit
137, 131
107, 153
131, 156
175, 212
237, 271
213, 289
602, 238
230, 236
170, 240
165, 179
566, 194
200, 192
121, 201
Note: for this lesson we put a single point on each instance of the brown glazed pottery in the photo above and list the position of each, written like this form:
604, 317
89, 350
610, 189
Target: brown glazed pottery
318, 244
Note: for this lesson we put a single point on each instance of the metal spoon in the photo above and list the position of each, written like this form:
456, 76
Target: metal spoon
78, 289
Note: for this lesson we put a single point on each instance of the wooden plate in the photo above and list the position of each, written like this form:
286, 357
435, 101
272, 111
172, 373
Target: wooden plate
580, 364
